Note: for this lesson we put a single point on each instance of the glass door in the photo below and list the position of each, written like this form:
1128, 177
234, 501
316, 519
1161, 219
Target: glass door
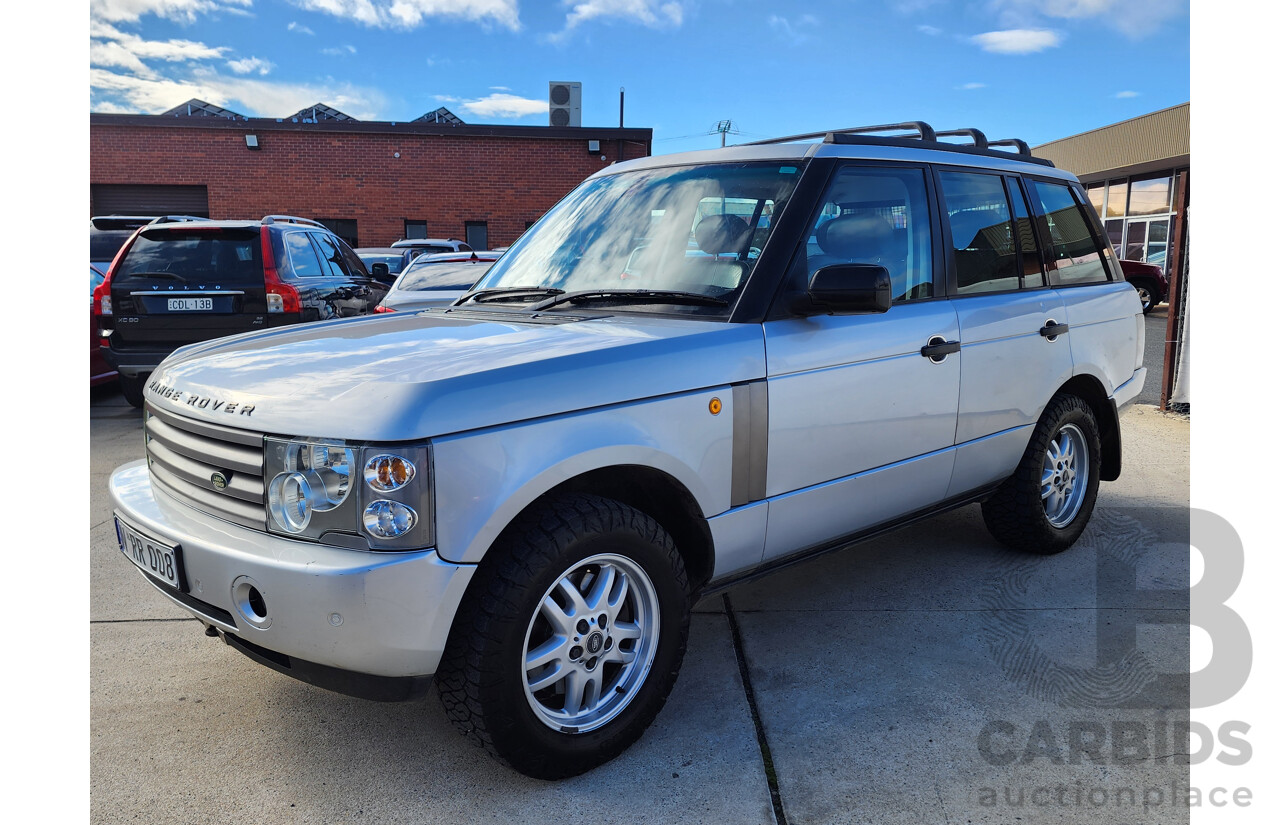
1147, 240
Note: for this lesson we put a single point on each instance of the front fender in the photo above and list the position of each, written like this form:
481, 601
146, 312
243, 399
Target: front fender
485, 478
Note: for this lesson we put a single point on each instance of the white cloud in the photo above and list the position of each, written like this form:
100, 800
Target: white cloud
249, 65
1136, 18
793, 32
972, 86
932, 31
397, 14
182, 11
339, 51
295, 26
501, 105
1123, 95
499, 88
110, 47
112, 92
652, 13
1017, 41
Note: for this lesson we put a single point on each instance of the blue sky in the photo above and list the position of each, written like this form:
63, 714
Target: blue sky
1036, 69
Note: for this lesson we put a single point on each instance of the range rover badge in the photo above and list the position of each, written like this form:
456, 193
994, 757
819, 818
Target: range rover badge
219, 481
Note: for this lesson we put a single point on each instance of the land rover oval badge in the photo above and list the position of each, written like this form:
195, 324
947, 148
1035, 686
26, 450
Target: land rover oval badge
219, 481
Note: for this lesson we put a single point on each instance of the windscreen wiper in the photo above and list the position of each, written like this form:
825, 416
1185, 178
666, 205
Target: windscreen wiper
503, 293
631, 296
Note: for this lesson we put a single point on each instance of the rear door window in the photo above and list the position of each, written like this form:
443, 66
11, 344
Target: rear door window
303, 257
330, 256
218, 257
1074, 255
982, 237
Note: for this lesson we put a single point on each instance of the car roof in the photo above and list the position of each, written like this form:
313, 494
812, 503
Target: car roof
460, 257
378, 250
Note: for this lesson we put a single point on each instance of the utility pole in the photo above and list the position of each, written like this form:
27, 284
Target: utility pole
725, 127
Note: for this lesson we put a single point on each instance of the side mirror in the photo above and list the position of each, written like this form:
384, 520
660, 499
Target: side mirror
380, 271
850, 289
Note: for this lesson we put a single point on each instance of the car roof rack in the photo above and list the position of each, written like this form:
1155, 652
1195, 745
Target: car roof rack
270, 219
913, 133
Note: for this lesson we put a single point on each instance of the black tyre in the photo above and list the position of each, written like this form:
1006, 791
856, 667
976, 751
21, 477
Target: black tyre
569, 638
1046, 504
1147, 293
131, 388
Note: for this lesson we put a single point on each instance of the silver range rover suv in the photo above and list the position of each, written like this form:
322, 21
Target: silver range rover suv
693, 369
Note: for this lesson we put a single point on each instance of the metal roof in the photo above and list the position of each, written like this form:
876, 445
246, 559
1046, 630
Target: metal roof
1152, 142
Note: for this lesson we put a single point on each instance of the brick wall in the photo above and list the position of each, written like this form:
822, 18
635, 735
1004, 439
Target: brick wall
443, 179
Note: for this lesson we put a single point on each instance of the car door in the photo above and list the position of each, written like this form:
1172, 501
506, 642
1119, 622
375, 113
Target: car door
860, 423
1107, 331
1012, 366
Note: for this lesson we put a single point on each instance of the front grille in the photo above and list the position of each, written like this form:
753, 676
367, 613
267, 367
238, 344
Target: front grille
184, 455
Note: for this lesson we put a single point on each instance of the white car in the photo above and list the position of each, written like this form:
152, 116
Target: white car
522, 494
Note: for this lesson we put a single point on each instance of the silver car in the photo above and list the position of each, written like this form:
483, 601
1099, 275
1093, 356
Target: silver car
436, 280
692, 370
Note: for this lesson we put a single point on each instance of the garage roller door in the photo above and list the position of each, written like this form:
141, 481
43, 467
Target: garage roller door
139, 199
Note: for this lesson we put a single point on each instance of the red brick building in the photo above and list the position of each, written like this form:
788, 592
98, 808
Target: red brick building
372, 182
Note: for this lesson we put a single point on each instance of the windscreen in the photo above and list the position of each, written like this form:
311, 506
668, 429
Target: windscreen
212, 257
444, 275
104, 244
394, 262
694, 229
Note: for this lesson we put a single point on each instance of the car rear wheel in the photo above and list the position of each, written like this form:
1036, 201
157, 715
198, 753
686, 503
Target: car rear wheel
1046, 504
570, 637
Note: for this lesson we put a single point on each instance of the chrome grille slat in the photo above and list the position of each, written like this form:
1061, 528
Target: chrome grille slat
223, 507
244, 487
184, 455
205, 449
214, 431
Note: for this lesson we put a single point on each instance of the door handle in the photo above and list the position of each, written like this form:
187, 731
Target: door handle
941, 349
1052, 329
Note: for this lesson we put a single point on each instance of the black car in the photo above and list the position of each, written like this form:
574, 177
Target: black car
107, 233
181, 281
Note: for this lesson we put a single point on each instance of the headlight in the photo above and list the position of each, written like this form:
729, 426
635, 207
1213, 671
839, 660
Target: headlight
312, 493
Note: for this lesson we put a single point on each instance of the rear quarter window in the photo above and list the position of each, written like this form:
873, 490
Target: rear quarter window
1074, 255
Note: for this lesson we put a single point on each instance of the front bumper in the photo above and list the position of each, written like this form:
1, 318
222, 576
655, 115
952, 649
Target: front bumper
335, 616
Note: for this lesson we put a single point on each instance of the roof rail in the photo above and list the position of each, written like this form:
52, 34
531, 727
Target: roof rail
270, 219
175, 219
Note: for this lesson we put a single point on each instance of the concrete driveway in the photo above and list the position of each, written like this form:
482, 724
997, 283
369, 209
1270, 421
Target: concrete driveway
928, 676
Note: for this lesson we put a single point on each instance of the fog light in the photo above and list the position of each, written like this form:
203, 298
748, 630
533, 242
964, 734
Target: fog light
389, 519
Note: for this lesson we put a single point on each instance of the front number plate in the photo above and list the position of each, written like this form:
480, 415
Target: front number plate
157, 560
190, 304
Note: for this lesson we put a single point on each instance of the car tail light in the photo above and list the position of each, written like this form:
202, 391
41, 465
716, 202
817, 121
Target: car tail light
102, 292
281, 297
381, 308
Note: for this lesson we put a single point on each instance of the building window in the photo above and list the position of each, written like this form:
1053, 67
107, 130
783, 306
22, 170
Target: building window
414, 229
344, 228
478, 234
1150, 196
1117, 198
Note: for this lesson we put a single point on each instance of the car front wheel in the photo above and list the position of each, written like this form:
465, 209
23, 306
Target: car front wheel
570, 637
1146, 294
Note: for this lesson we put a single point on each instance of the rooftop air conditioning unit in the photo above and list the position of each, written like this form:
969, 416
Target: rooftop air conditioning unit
565, 103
